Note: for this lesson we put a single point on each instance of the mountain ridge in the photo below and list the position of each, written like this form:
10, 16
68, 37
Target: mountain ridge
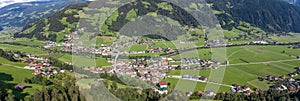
20, 14
232, 14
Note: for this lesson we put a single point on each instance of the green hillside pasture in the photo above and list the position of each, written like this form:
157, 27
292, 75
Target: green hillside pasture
286, 39
15, 70
23, 49
25, 41
230, 34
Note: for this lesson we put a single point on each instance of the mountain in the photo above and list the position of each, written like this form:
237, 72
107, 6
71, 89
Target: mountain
272, 16
294, 2
53, 28
4, 3
269, 15
19, 14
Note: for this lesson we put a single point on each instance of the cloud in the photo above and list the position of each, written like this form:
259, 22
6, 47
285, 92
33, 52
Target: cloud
9, 2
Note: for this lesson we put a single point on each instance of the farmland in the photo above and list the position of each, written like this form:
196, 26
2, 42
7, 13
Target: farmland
138, 48
246, 64
249, 62
31, 50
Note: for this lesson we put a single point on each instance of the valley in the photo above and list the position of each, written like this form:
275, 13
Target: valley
150, 50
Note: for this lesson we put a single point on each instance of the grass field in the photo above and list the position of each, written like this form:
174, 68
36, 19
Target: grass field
246, 74
245, 54
61, 57
25, 41
196, 86
13, 73
105, 40
139, 47
249, 62
286, 38
22, 49
87, 61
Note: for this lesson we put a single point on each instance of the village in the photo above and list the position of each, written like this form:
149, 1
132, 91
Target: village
155, 68
146, 68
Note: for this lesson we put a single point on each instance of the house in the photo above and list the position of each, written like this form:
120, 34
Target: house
189, 93
163, 87
163, 84
154, 80
20, 86
209, 93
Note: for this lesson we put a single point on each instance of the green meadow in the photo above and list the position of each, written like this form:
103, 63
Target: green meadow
139, 47
249, 62
30, 50
12, 73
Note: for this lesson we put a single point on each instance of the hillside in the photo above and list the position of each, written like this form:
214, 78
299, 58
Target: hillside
19, 14
54, 27
255, 16
269, 15
294, 2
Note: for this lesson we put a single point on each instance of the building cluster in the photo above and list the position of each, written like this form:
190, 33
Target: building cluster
196, 78
236, 88
287, 83
189, 41
197, 61
41, 65
296, 46
295, 73
260, 42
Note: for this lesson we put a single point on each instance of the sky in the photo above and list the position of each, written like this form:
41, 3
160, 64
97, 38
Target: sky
8, 2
